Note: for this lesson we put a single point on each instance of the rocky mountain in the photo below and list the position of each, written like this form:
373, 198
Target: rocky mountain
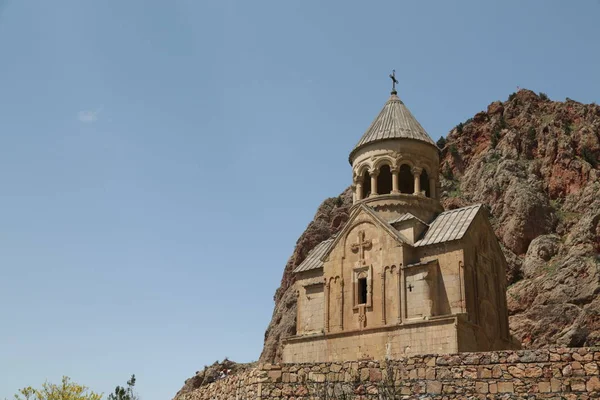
535, 163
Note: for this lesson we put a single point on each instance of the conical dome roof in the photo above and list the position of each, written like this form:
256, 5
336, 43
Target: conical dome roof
395, 121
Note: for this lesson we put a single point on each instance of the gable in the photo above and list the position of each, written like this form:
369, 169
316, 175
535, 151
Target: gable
373, 218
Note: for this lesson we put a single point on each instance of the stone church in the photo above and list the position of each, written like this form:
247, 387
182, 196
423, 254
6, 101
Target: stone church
403, 276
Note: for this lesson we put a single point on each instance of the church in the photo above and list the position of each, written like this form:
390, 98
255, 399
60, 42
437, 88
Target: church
403, 276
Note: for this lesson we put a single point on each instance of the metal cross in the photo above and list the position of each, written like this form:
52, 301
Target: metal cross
410, 287
394, 80
362, 245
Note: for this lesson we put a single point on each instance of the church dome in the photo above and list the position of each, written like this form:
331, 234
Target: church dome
394, 121
395, 164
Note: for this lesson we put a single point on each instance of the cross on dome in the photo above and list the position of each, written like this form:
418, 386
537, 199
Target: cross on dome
394, 81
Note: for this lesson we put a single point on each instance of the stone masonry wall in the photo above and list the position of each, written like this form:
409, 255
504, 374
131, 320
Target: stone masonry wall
523, 374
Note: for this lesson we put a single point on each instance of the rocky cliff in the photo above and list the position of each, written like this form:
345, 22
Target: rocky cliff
535, 163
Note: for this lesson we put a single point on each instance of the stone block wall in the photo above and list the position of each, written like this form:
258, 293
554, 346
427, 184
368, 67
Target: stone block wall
523, 374
438, 335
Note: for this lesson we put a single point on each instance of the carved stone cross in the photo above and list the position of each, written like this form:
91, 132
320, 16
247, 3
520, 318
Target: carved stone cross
361, 246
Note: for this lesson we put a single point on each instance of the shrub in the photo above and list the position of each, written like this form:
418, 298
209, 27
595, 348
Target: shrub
567, 127
502, 123
459, 127
589, 156
544, 96
453, 150
441, 143
531, 133
512, 96
495, 137
447, 172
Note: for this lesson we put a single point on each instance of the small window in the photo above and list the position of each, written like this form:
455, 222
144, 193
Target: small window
362, 291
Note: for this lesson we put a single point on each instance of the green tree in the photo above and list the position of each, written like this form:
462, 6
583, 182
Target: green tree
127, 393
66, 390
441, 142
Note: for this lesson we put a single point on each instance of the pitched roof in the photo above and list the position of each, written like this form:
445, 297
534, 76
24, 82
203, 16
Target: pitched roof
449, 225
394, 121
313, 259
406, 217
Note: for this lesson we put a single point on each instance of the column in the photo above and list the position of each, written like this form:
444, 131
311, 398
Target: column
399, 292
326, 313
432, 188
299, 327
417, 175
358, 194
382, 277
428, 295
395, 173
403, 292
374, 175
461, 277
341, 305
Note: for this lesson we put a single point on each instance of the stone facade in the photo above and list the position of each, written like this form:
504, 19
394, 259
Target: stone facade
402, 277
524, 374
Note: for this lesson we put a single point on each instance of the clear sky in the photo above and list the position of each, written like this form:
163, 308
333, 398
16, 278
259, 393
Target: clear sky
159, 159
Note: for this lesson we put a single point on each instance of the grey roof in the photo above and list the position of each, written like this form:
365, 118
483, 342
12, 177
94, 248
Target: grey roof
449, 225
406, 217
395, 121
421, 263
313, 259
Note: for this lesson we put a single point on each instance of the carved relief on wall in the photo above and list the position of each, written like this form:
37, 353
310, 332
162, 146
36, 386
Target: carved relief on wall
361, 246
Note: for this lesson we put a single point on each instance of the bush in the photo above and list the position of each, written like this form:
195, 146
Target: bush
453, 150
495, 137
66, 390
512, 96
459, 127
589, 156
502, 122
447, 172
531, 133
567, 127
544, 96
441, 143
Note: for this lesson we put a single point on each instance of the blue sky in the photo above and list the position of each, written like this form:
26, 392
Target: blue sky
159, 159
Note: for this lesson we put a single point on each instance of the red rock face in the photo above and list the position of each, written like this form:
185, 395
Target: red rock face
535, 163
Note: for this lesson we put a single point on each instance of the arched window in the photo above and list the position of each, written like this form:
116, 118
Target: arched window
425, 183
406, 181
366, 185
384, 180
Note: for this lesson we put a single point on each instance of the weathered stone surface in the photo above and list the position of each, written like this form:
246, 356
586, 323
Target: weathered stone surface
593, 384
509, 377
